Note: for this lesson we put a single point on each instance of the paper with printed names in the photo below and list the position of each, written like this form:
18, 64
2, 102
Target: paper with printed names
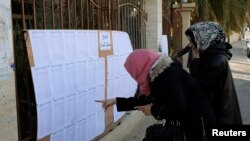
68, 77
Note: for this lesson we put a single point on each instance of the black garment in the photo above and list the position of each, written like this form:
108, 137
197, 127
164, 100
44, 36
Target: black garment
183, 51
128, 104
175, 96
212, 72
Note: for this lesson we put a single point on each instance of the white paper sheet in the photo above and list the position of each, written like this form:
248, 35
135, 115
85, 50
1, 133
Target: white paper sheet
91, 101
99, 96
100, 71
71, 78
57, 81
44, 114
100, 120
39, 44
55, 46
123, 43
70, 133
82, 43
70, 45
82, 105
111, 67
42, 84
71, 109
82, 71
92, 73
93, 43
82, 130
58, 115
129, 47
122, 86
111, 87
164, 44
91, 124
116, 87
116, 66
115, 41
57, 136
122, 59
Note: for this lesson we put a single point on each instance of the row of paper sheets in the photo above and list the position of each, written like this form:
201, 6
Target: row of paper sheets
57, 81
69, 119
60, 46
68, 76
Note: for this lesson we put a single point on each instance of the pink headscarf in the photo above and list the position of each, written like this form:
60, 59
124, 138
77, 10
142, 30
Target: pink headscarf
139, 64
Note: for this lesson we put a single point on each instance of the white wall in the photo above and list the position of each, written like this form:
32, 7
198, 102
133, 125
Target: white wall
153, 24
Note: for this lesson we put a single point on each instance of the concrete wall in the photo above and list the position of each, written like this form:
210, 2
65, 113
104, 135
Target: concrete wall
153, 24
8, 109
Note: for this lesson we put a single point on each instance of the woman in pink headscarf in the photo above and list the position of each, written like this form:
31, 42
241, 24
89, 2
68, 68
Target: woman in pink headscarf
166, 91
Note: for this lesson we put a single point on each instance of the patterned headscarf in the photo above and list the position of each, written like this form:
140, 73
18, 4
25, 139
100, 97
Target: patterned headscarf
205, 34
138, 64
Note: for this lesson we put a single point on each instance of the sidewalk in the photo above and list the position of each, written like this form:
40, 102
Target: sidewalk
240, 67
133, 128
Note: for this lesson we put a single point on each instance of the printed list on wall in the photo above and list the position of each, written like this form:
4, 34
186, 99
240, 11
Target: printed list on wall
69, 75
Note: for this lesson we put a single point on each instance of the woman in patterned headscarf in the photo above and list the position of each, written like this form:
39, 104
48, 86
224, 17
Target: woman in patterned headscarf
209, 65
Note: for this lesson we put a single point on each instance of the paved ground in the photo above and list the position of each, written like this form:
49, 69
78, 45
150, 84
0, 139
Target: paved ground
240, 66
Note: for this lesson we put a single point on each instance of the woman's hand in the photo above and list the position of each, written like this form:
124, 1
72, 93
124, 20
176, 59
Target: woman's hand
107, 103
145, 109
195, 51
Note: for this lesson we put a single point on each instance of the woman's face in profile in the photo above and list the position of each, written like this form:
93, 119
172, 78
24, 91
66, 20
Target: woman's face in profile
190, 43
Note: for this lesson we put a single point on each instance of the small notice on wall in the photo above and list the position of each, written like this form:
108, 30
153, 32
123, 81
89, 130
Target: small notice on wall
105, 40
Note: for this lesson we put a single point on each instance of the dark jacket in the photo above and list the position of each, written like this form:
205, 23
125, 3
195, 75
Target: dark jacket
175, 96
212, 72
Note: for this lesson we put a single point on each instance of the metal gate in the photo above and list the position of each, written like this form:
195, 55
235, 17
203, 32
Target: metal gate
172, 26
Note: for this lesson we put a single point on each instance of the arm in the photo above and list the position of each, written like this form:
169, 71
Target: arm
181, 52
126, 104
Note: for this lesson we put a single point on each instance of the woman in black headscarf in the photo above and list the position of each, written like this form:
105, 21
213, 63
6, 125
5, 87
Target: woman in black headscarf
209, 65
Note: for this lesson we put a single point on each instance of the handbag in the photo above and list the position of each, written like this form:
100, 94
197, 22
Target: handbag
164, 132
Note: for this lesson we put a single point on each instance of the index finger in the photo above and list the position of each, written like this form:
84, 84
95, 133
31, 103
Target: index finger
139, 107
100, 101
